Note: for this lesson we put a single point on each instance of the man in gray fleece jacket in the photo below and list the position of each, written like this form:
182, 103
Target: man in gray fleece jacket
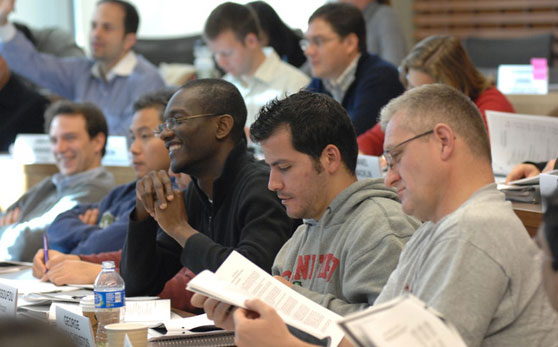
353, 231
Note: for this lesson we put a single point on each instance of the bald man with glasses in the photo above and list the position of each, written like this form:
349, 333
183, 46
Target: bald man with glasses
226, 207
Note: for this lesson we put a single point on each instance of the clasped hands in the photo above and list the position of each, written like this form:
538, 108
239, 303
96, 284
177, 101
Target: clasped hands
155, 197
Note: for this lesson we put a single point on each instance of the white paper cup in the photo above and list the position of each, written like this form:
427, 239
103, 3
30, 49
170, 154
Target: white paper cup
137, 333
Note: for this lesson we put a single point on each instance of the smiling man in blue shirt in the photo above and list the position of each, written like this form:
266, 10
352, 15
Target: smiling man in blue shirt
113, 78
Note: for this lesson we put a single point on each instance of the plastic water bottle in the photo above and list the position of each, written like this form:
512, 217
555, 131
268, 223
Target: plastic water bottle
109, 300
203, 60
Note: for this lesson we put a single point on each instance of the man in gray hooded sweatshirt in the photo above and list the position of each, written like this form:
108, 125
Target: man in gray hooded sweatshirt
353, 231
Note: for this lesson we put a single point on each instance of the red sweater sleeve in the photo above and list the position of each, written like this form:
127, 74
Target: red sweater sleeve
175, 288
372, 141
100, 257
493, 100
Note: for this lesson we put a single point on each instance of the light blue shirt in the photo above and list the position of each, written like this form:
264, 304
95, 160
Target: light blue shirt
75, 78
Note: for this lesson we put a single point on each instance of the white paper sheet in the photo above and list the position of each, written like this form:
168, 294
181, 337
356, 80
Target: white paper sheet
516, 138
404, 321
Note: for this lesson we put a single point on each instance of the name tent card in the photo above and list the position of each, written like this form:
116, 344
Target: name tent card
368, 166
8, 300
76, 326
36, 149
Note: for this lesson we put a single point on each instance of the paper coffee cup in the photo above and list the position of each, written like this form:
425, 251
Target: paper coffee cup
137, 333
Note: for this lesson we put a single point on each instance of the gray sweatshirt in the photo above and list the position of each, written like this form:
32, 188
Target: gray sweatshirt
480, 269
343, 260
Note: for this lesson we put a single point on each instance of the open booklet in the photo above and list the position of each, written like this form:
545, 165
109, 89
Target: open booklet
238, 279
403, 321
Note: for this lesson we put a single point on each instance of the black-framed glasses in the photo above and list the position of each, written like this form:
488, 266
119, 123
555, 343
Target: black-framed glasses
391, 158
172, 122
316, 41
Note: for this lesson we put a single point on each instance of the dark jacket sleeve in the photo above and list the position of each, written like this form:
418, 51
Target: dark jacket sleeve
261, 223
21, 110
372, 93
149, 258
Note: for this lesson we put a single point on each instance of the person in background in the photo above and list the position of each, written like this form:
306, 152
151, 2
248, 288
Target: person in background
113, 79
547, 238
384, 36
102, 226
335, 45
275, 33
22, 106
233, 34
78, 134
441, 59
51, 40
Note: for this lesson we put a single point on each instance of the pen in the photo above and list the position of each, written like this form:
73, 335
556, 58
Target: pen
45, 246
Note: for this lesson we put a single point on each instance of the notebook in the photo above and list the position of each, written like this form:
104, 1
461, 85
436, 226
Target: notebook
217, 338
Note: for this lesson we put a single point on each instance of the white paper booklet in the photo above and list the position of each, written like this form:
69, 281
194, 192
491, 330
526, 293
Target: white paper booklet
515, 138
403, 321
238, 279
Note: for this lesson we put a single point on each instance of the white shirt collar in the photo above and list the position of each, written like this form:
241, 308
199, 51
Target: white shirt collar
339, 86
266, 71
124, 67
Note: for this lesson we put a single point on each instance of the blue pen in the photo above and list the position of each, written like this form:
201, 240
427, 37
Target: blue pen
45, 246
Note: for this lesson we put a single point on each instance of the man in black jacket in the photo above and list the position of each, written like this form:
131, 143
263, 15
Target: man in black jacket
226, 207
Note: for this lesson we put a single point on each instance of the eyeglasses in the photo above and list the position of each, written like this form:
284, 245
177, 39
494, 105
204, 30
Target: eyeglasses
317, 41
391, 158
172, 122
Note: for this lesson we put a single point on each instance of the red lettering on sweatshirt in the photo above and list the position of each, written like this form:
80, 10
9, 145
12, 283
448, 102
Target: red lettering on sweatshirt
325, 267
302, 265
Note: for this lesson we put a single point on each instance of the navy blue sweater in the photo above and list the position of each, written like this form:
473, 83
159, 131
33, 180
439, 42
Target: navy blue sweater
68, 234
376, 83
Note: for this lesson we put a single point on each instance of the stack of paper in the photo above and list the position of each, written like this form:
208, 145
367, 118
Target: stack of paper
526, 189
403, 321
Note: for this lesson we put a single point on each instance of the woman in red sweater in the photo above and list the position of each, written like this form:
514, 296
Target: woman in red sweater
441, 59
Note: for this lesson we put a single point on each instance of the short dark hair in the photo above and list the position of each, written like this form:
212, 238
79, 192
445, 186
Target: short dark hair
344, 19
315, 121
157, 99
218, 96
550, 230
131, 16
240, 19
94, 119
